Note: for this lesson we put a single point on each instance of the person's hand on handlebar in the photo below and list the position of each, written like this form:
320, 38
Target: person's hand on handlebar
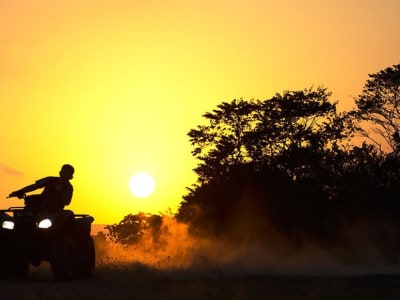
17, 194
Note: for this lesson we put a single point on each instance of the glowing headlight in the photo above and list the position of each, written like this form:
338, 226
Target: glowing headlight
7, 225
45, 223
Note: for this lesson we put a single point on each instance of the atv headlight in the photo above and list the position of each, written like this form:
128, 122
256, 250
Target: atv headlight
7, 225
45, 223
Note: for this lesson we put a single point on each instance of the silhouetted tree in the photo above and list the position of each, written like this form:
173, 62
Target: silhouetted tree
378, 108
296, 129
297, 119
220, 144
259, 131
293, 136
133, 227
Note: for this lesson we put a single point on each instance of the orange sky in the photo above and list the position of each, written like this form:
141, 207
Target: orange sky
113, 87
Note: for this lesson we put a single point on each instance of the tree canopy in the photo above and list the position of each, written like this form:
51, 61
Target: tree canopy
132, 228
290, 162
378, 108
262, 132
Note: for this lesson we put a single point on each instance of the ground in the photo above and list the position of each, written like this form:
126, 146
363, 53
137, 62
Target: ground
141, 283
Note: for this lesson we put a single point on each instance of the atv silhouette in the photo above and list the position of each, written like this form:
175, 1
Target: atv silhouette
29, 236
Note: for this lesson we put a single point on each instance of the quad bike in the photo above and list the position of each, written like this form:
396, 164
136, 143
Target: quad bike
29, 236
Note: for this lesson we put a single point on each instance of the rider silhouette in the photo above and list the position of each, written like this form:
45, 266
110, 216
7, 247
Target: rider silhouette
57, 191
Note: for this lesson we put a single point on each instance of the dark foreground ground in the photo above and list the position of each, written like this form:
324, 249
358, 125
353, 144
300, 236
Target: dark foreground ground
127, 284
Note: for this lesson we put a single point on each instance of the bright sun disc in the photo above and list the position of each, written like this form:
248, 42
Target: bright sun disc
141, 185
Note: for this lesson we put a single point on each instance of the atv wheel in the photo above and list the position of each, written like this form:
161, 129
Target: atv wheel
7, 256
13, 261
20, 269
64, 258
5, 266
86, 257
4, 259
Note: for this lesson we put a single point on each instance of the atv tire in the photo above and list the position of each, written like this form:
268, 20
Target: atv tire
64, 258
6, 257
15, 263
20, 268
4, 265
87, 259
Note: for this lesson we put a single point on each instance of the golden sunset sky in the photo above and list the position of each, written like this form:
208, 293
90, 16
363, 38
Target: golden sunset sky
112, 87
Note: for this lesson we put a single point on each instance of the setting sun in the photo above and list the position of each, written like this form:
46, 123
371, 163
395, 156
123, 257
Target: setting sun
141, 185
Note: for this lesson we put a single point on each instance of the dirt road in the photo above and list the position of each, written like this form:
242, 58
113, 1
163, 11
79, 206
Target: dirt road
124, 284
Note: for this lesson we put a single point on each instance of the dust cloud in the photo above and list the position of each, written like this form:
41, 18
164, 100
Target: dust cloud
363, 251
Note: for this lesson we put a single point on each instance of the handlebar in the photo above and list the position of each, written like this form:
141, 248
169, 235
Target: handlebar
19, 196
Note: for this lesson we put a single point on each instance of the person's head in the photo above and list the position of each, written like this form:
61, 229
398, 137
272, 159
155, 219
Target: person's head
67, 172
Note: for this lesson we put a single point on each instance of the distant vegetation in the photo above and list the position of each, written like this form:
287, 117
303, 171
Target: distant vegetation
294, 166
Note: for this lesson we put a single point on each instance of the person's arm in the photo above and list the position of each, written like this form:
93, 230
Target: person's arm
68, 196
21, 193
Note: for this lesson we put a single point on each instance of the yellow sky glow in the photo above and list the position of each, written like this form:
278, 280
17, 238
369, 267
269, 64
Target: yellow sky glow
113, 87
